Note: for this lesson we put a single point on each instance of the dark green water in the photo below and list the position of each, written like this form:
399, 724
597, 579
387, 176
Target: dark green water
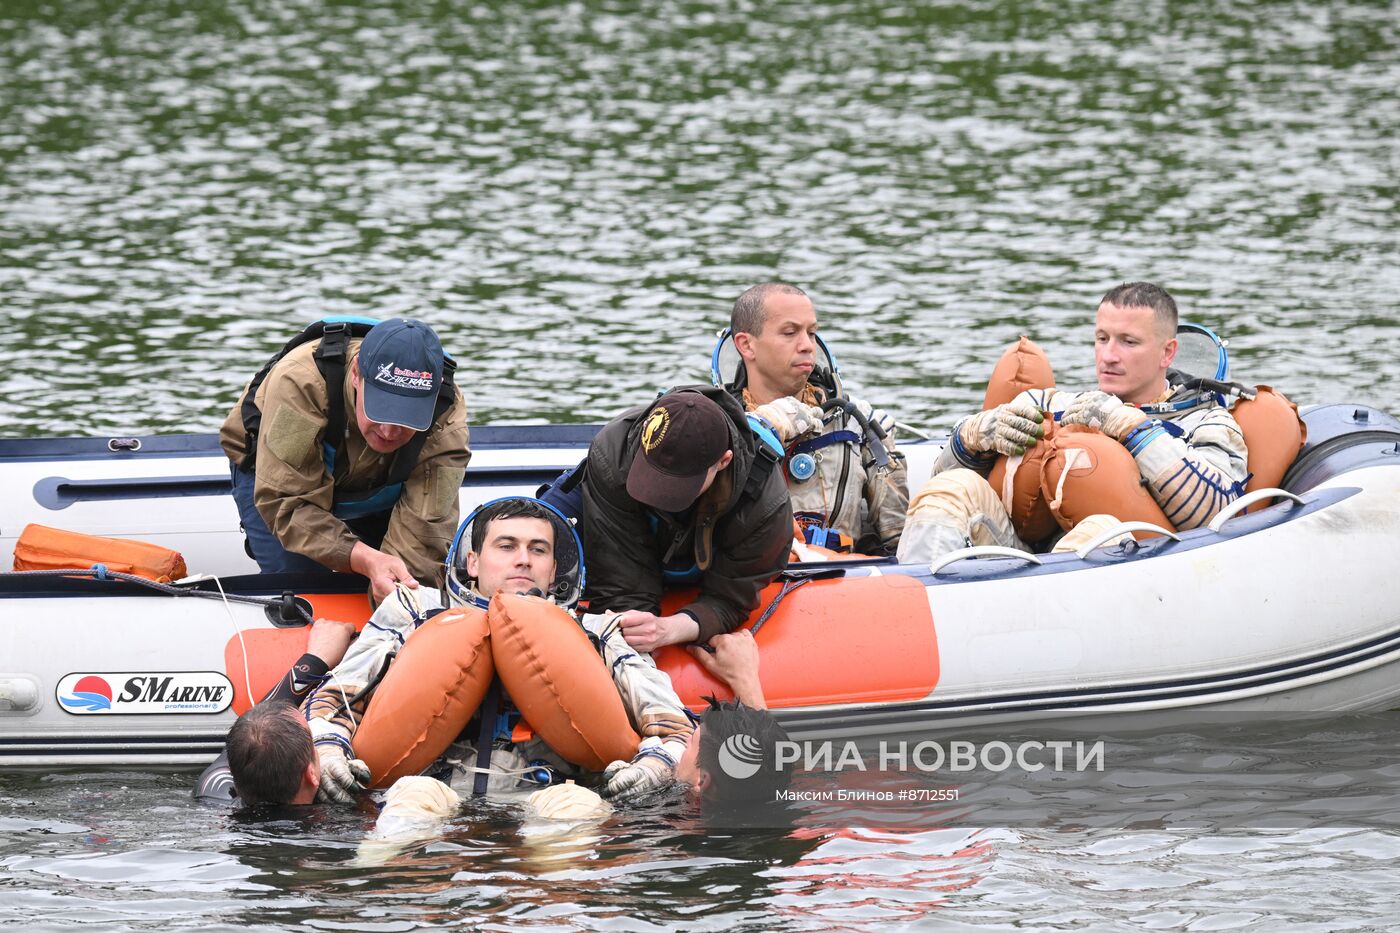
574, 194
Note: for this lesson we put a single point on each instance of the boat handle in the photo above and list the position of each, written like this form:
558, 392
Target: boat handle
982, 550
1121, 528
1248, 499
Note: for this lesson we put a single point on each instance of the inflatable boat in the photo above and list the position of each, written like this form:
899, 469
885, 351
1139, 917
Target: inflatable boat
1288, 601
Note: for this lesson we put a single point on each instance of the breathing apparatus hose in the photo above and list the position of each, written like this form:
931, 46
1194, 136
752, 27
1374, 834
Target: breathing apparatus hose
874, 435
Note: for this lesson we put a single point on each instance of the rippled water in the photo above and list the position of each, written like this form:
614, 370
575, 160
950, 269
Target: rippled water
132, 851
574, 194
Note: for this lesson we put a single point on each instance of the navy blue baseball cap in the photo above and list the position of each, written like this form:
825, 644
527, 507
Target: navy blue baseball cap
401, 373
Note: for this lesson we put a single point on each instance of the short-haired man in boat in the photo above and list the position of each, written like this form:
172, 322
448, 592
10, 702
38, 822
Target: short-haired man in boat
1188, 449
350, 454
848, 483
682, 490
514, 545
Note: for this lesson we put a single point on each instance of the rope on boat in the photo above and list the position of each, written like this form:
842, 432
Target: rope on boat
100, 572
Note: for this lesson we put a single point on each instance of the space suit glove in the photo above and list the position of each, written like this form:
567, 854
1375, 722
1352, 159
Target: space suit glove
790, 418
1007, 429
653, 767
1106, 412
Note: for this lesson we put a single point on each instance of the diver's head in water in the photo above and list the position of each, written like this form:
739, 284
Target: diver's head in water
271, 757
732, 756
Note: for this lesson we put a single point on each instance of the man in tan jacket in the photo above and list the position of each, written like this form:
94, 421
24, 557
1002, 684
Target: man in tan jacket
348, 454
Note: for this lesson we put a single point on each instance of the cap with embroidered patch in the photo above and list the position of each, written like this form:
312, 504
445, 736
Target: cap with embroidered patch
401, 373
683, 435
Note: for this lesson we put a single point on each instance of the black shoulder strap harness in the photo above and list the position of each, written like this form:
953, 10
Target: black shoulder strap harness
765, 459
330, 359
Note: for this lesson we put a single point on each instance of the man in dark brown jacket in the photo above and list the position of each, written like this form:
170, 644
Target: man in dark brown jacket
682, 489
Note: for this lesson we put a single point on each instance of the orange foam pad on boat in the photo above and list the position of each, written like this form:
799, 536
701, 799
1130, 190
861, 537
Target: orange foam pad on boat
557, 681
1273, 435
427, 697
852, 640
1023, 366
273, 651
43, 548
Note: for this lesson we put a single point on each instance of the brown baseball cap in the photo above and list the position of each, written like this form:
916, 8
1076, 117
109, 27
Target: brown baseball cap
683, 435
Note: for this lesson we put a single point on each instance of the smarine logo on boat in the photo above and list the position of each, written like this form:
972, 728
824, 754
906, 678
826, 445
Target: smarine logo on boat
144, 693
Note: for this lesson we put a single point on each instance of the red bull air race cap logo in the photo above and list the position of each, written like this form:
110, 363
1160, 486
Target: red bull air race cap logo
144, 693
396, 377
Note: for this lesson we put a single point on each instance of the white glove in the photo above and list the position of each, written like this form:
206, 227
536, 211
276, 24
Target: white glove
342, 777
568, 801
876, 416
1105, 412
653, 767
790, 418
1007, 429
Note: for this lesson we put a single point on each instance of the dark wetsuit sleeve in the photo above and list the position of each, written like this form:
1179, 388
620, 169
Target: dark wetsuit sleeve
306, 675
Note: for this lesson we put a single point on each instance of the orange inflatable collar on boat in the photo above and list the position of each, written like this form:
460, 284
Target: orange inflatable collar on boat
43, 548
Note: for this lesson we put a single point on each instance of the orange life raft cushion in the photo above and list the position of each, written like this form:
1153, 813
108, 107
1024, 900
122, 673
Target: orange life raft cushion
430, 692
1088, 472
1023, 366
558, 682
43, 548
1273, 434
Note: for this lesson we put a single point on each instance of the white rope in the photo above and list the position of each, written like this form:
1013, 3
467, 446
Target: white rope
243, 645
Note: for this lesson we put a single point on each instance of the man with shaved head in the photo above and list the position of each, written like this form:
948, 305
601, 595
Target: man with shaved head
846, 495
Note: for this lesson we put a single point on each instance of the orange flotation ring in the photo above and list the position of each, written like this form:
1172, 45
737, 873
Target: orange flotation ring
1273, 434
557, 681
1017, 481
1022, 366
428, 695
1072, 473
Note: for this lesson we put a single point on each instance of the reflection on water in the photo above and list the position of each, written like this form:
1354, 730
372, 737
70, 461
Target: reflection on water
133, 850
576, 193
648, 869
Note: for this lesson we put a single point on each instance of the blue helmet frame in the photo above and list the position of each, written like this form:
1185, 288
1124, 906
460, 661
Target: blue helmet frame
1222, 357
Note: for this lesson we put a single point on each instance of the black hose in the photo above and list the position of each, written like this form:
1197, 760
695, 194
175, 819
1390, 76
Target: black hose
874, 435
